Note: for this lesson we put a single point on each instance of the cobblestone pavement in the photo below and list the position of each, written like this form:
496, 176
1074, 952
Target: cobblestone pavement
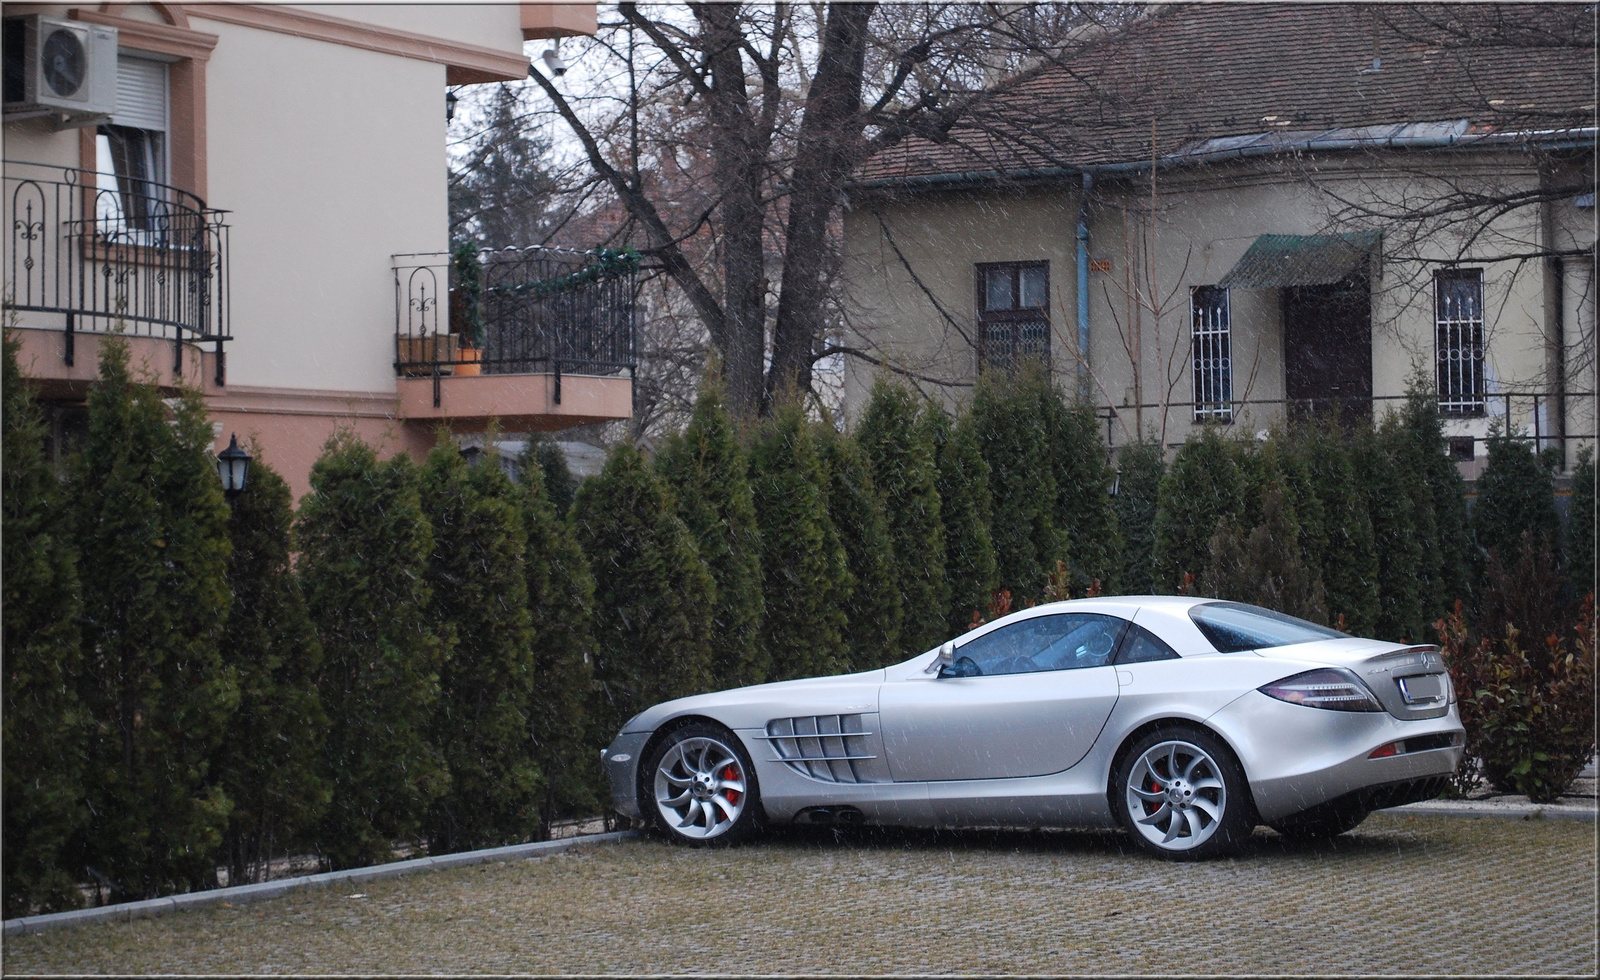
1399, 895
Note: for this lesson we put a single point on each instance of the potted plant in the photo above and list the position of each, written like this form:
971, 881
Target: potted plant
466, 307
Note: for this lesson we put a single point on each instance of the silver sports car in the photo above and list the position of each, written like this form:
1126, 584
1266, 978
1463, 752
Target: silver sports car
1186, 721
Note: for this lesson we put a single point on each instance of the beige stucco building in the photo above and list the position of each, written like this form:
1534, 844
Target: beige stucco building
1209, 217
263, 212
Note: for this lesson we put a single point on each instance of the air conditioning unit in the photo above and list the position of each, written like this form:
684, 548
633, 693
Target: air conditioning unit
63, 69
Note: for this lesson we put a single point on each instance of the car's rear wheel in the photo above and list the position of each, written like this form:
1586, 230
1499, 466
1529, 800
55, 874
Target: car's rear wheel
702, 785
1322, 822
1180, 794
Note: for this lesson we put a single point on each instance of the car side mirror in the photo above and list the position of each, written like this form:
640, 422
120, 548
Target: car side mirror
947, 655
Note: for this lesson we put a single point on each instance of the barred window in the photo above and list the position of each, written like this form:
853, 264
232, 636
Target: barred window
1458, 339
1013, 313
1212, 353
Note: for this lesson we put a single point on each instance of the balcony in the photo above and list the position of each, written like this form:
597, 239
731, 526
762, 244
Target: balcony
537, 338
89, 255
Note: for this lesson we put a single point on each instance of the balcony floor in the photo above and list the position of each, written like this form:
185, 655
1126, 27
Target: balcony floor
521, 402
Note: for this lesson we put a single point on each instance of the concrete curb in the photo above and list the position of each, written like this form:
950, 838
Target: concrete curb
1510, 811
275, 889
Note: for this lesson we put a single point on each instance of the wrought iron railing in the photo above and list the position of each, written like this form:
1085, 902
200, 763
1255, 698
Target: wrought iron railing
535, 310
116, 256
1528, 416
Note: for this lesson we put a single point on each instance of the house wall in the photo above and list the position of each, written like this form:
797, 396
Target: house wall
1206, 218
330, 158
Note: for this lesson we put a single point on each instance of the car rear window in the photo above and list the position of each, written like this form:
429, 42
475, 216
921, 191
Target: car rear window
1235, 626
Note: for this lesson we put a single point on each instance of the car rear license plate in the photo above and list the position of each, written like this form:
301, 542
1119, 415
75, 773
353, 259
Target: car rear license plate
1421, 688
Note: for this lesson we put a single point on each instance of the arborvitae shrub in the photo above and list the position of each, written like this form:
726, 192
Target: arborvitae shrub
805, 579
1515, 494
1084, 508
42, 719
1580, 542
1265, 565
270, 764
1350, 565
653, 595
560, 488
1140, 466
561, 710
1402, 444
152, 530
364, 548
1391, 508
966, 509
1452, 575
1293, 475
1525, 593
1204, 486
480, 601
708, 476
872, 632
1015, 443
905, 470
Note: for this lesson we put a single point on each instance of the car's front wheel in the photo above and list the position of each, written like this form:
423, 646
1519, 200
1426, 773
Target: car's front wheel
1180, 794
703, 786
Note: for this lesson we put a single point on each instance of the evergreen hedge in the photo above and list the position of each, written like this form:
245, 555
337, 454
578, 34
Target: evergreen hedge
1140, 467
708, 476
1350, 564
653, 594
905, 470
967, 510
1014, 441
1203, 488
365, 545
1580, 544
1084, 508
43, 721
479, 593
806, 580
152, 532
561, 711
1515, 494
874, 610
270, 765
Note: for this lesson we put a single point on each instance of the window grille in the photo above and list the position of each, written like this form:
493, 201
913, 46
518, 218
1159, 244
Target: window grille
1211, 353
1458, 337
1013, 313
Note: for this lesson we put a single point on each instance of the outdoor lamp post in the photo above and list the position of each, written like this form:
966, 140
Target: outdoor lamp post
233, 466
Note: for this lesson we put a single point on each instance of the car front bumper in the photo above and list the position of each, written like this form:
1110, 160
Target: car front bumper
620, 763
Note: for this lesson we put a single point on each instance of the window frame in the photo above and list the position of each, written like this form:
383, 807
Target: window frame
1462, 388
1013, 318
1211, 355
1120, 626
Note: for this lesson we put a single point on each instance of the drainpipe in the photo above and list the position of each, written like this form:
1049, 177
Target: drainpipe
1083, 285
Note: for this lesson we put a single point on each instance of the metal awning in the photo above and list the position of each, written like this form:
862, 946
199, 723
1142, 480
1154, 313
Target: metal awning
1300, 260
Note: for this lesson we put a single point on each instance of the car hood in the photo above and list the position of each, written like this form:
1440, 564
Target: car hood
749, 707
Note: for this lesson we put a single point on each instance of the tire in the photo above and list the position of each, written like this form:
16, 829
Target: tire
1180, 794
698, 787
1321, 822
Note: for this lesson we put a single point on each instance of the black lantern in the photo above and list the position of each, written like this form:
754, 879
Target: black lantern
233, 466
450, 101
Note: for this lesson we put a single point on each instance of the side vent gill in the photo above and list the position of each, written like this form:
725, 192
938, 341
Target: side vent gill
825, 747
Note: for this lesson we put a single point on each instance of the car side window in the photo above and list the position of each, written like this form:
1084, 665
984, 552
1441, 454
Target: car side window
1062, 642
1139, 645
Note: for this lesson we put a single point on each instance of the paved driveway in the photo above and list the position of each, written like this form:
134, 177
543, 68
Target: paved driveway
1400, 895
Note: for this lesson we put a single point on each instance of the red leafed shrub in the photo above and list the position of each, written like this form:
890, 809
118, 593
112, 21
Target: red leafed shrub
1529, 719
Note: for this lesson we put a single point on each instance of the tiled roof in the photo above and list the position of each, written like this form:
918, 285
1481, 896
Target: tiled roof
1204, 72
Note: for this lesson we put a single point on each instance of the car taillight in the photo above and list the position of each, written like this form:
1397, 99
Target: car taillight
1385, 751
1326, 687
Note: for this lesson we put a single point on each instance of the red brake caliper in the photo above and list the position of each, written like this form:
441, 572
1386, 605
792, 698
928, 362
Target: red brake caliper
733, 795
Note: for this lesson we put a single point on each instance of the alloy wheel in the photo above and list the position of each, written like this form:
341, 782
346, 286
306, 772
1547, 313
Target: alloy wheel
1176, 795
700, 788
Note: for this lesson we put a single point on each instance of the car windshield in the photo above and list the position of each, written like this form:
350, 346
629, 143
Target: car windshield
1234, 626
